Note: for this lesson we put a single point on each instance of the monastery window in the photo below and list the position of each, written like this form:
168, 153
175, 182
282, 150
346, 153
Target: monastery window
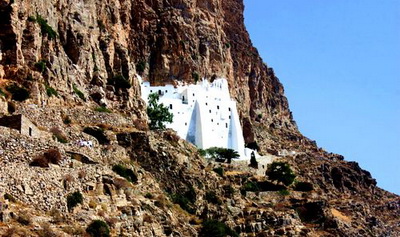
229, 116
193, 94
170, 106
206, 103
226, 125
166, 91
210, 111
159, 92
212, 120
217, 106
229, 109
217, 123
185, 124
151, 90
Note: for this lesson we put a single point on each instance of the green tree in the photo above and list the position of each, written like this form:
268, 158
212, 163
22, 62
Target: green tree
221, 154
158, 113
228, 154
280, 172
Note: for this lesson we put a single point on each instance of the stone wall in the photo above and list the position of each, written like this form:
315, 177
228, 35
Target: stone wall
21, 123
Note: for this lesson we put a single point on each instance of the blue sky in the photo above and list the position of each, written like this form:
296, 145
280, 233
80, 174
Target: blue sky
339, 62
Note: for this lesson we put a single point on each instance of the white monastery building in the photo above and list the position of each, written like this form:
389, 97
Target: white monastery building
204, 114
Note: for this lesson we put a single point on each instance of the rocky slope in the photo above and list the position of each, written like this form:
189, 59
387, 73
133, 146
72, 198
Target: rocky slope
75, 56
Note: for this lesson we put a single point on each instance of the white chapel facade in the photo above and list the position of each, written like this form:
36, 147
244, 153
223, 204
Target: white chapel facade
204, 114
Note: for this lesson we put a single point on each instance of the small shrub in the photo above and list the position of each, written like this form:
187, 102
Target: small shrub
148, 195
98, 228
67, 120
40, 66
53, 156
183, 202
186, 200
219, 171
74, 199
303, 186
202, 152
2, 93
31, 19
24, 218
79, 93
50, 91
9, 197
40, 161
59, 135
128, 174
212, 197
120, 81
283, 192
249, 187
46, 28
214, 228
18, 93
196, 77
140, 67
98, 133
280, 172
102, 109
228, 191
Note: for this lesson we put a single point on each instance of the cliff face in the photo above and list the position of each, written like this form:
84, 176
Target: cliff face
74, 56
165, 41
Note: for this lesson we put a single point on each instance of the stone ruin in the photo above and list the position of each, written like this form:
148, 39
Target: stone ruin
21, 123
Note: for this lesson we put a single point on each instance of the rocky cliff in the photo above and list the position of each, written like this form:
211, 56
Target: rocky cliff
86, 44
72, 68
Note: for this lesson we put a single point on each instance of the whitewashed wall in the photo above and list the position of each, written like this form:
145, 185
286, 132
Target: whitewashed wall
204, 114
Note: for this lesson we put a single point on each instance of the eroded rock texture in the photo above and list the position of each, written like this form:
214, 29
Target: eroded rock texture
164, 41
